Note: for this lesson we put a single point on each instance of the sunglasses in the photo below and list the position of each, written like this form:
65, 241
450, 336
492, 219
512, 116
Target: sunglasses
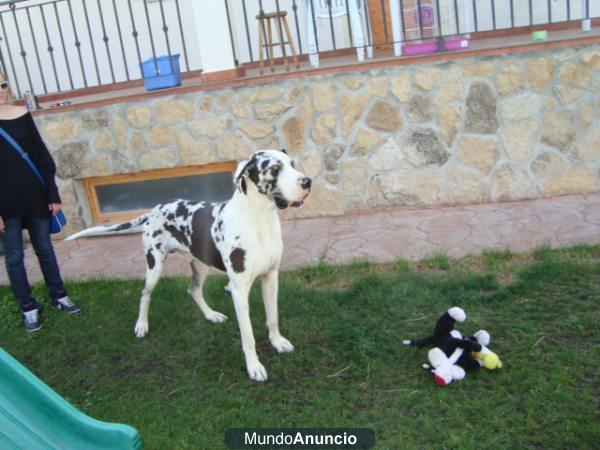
4, 85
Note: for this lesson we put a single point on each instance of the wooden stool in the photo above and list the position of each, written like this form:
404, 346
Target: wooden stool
270, 45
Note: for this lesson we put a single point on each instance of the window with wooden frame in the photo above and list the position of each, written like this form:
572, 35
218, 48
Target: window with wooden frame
118, 198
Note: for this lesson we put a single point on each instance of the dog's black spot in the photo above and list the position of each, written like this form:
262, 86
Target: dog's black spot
237, 238
122, 226
265, 163
158, 245
171, 217
179, 236
156, 233
237, 257
150, 259
244, 186
283, 151
182, 210
221, 206
203, 245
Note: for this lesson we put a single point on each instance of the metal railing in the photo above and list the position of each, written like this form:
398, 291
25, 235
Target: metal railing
405, 25
61, 45
49, 46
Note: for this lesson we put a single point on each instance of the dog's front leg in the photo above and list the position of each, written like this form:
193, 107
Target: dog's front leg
240, 290
270, 288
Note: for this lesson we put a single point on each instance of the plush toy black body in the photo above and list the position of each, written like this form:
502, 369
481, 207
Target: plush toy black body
452, 354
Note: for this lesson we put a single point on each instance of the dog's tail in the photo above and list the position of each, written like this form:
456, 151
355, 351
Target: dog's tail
113, 228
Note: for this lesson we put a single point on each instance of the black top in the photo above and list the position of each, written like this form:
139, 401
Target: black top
21, 192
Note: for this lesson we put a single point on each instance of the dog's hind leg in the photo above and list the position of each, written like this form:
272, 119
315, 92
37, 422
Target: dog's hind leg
156, 261
199, 273
270, 287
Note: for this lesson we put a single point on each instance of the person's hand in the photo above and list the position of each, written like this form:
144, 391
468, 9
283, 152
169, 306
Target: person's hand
54, 207
1, 225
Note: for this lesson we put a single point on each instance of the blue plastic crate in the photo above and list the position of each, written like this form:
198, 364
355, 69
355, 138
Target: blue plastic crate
168, 74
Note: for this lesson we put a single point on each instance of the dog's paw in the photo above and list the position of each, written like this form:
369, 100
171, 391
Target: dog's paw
257, 372
141, 329
216, 317
282, 345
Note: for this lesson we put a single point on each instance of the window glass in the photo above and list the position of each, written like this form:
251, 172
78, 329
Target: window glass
146, 194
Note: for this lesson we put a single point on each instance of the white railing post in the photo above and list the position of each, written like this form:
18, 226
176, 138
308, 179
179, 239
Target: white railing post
212, 30
586, 23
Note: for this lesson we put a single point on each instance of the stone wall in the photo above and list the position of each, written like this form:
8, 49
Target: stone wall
472, 130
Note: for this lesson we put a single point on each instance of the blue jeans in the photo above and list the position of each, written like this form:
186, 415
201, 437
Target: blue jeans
39, 233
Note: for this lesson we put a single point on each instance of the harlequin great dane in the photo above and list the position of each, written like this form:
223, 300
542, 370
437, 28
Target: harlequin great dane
241, 236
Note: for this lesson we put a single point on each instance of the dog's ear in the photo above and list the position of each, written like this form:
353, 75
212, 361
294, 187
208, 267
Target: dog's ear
240, 170
247, 167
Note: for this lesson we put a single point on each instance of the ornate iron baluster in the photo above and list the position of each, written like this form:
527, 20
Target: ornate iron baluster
151, 38
23, 52
295, 9
261, 13
248, 40
35, 47
419, 18
349, 23
105, 40
121, 39
280, 28
10, 59
383, 15
135, 34
314, 21
331, 30
456, 18
50, 48
185, 55
77, 43
89, 28
64, 47
237, 63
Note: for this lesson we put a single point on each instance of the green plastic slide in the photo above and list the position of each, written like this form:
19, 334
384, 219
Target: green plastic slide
33, 416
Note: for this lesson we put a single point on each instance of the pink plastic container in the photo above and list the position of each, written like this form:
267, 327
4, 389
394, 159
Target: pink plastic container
457, 42
421, 48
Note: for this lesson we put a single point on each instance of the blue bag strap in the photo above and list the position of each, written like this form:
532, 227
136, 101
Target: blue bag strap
24, 155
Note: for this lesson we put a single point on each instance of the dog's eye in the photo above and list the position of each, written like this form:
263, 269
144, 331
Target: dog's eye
275, 170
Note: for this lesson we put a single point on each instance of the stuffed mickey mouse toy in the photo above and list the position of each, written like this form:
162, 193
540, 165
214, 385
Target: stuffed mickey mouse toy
453, 355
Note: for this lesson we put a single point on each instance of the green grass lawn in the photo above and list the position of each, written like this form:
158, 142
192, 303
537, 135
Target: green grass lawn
185, 383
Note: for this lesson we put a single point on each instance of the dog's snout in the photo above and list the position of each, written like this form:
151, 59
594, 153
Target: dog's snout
305, 183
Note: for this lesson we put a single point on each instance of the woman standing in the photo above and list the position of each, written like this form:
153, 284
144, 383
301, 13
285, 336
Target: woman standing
25, 203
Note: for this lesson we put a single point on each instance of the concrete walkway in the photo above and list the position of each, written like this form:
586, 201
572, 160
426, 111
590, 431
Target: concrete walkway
379, 236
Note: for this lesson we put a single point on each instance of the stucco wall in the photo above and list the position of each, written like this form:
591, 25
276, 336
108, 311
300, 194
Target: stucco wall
473, 130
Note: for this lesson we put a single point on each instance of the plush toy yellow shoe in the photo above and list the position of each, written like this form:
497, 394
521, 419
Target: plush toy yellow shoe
486, 357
